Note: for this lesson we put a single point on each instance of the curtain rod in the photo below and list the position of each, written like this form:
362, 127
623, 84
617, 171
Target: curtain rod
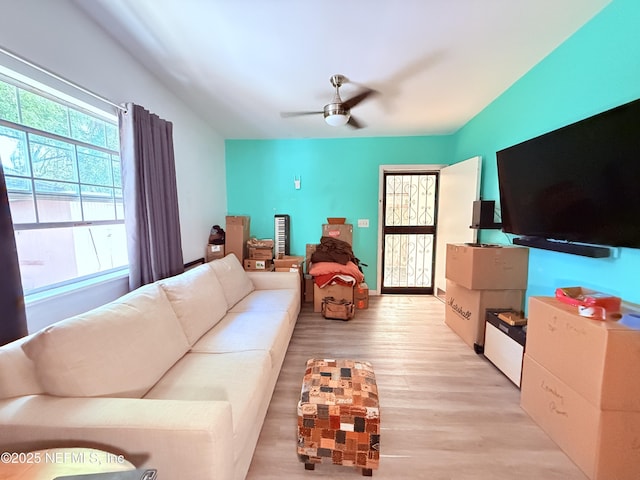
61, 79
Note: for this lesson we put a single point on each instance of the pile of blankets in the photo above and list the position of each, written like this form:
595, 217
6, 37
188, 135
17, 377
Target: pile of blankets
333, 263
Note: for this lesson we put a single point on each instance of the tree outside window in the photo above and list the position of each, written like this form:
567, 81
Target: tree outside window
62, 169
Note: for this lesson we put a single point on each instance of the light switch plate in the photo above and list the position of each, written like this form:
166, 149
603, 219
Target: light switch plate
363, 222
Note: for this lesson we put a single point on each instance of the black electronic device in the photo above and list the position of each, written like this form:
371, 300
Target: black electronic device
483, 213
580, 183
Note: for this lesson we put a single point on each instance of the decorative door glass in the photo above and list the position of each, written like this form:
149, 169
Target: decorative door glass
409, 232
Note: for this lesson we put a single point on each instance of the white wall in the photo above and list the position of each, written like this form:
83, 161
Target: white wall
58, 37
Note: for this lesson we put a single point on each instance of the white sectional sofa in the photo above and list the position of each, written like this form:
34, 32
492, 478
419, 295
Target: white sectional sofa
177, 375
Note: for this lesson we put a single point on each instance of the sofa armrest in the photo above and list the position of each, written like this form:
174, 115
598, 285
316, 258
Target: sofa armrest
181, 439
275, 280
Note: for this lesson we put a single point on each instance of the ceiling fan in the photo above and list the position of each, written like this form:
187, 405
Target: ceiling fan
338, 112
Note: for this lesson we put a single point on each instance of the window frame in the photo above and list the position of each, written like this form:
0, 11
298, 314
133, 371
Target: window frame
97, 114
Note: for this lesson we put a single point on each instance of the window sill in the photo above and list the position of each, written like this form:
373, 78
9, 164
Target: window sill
75, 287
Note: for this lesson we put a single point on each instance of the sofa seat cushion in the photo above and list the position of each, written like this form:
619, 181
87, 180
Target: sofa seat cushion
241, 378
118, 350
243, 331
281, 300
235, 282
197, 299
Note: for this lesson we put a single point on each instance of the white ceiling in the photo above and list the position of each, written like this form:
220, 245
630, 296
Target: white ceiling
435, 63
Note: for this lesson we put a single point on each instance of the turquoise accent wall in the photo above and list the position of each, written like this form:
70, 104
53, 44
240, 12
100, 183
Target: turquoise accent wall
339, 178
594, 70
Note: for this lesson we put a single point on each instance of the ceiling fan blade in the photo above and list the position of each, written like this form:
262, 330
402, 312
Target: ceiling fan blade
298, 114
353, 123
353, 101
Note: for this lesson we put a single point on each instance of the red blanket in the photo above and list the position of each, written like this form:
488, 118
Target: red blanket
328, 273
334, 279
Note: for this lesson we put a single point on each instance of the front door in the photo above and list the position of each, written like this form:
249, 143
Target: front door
409, 232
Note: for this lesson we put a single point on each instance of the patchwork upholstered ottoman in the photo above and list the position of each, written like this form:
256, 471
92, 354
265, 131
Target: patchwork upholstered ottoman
338, 415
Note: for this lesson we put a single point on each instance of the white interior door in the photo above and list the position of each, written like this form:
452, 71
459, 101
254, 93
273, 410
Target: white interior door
459, 188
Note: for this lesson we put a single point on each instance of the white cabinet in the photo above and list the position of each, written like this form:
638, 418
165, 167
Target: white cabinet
504, 346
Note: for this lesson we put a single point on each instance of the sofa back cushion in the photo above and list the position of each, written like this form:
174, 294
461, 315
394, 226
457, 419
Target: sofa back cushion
17, 372
235, 282
197, 299
118, 350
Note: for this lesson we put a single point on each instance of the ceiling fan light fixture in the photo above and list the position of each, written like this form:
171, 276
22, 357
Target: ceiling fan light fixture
336, 115
337, 120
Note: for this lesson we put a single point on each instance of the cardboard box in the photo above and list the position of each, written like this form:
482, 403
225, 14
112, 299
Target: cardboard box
236, 235
214, 252
487, 268
311, 248
361, 296
308, 289
465, 310
339, 292
602, 443
598, 359
261, 243
289, 263
257, 265
342, 232
290, 269
256, 253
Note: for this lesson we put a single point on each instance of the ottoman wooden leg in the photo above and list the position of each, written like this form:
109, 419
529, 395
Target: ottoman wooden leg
367, 472
309, 466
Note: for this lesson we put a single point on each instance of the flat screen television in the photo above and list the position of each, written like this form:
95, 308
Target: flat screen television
580, 183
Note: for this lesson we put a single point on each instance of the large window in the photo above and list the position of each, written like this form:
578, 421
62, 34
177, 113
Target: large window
62, 169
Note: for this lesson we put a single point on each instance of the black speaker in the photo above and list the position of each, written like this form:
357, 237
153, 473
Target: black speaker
483, 214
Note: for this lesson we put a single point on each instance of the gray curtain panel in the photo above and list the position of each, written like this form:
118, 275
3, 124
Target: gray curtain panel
13, 318
150, 196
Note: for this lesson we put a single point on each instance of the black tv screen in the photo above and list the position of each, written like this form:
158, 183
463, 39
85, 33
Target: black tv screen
580, 183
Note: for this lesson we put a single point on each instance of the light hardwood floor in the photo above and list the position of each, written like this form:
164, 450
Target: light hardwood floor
446, 413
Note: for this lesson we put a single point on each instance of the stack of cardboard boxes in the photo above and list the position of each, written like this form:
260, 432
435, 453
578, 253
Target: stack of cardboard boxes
359, 294
478, 278
289, 263
581, 384
260, 255
257, 255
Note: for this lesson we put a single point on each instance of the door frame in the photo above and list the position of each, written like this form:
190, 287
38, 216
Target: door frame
396, 169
